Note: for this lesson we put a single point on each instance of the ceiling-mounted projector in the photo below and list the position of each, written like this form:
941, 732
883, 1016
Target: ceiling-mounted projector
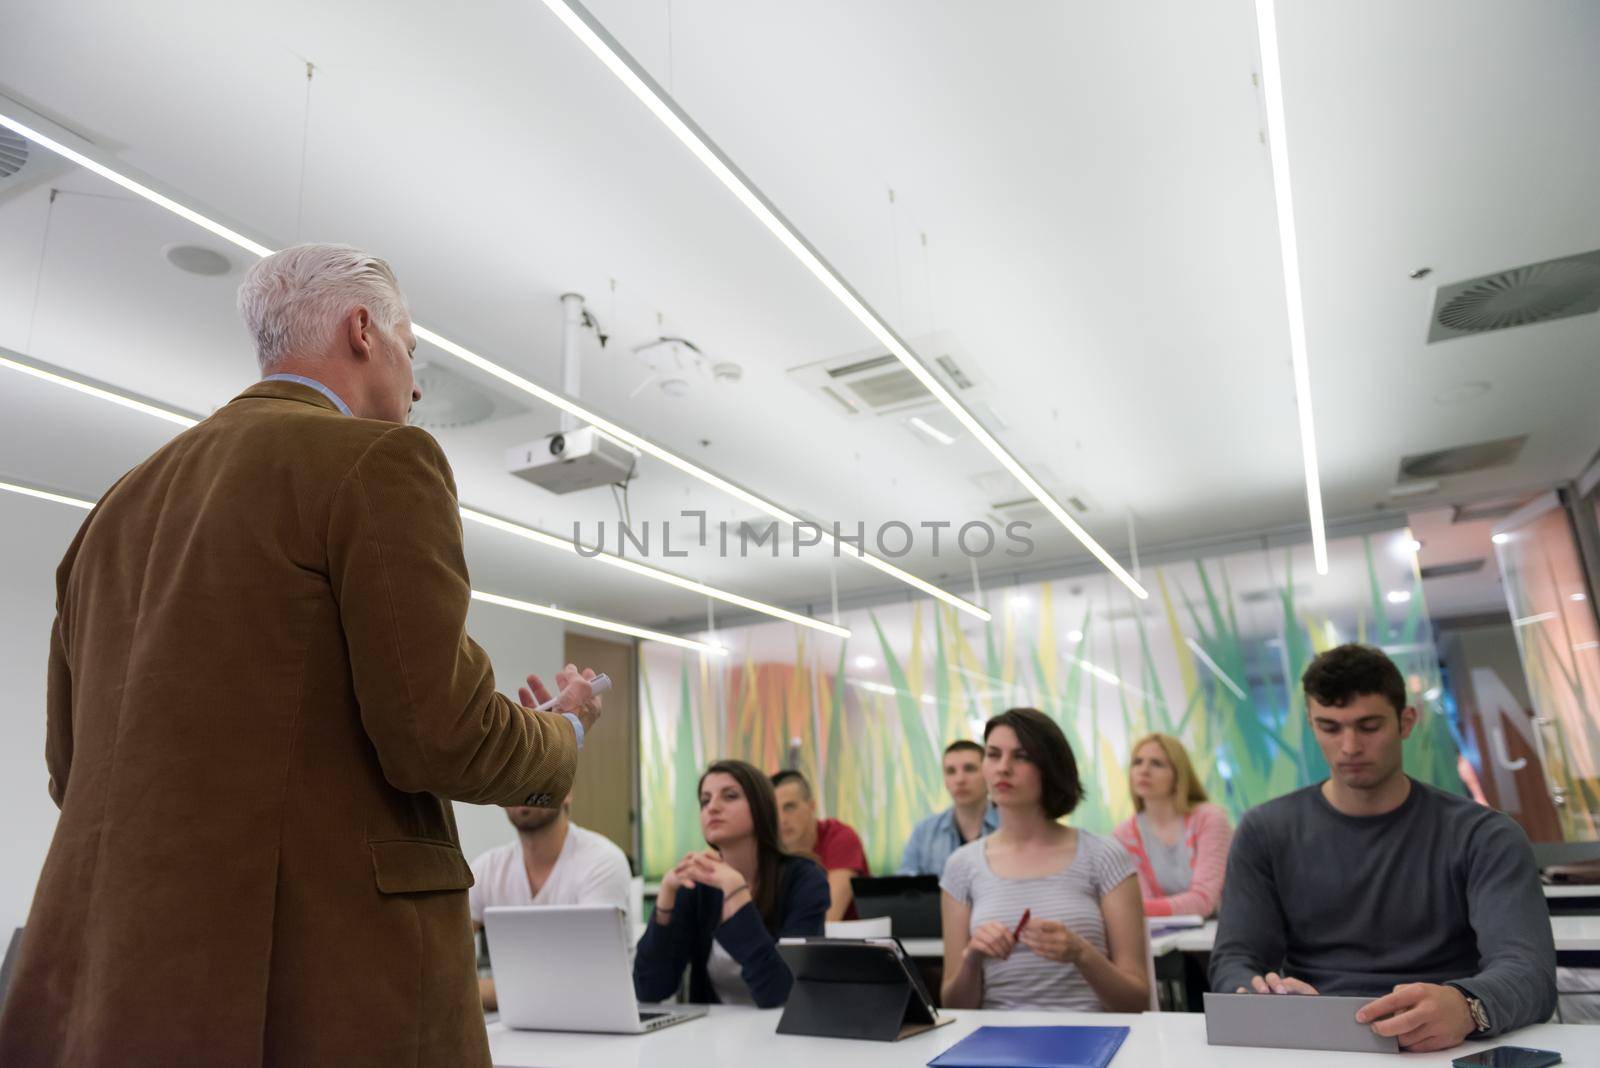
572, 460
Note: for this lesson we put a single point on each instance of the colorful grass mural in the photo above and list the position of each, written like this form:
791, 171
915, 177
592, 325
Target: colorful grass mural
1106, 668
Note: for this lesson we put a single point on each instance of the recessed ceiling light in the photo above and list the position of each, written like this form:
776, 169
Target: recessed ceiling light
1399, 596
197, 259
865, 663
1500, 539
1074, 636
1463, 391
1578, 597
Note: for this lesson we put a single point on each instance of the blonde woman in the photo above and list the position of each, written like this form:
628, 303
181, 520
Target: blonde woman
1178, 839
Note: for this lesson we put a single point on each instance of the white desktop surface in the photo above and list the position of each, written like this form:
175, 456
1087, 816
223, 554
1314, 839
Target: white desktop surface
733, 1035
1572, 933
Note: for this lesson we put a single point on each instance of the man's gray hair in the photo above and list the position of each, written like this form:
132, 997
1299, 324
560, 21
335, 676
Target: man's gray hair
293, 301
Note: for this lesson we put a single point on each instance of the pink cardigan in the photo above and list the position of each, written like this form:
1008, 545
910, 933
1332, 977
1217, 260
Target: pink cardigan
1207, 832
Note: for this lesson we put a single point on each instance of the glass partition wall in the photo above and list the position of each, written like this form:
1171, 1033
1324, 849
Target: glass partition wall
1213, 657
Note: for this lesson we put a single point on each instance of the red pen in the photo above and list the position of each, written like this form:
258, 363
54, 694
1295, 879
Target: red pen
1027, 914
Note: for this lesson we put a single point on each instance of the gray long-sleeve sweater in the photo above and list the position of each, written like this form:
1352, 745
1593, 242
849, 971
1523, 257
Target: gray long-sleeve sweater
1441, 890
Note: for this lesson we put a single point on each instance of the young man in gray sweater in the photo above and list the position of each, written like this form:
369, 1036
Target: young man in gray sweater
1374, 885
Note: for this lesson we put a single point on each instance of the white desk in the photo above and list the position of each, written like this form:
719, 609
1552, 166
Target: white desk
1572, 934
732, 1035
1561, 890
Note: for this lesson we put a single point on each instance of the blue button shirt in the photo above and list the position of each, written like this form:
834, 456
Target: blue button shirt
338, 402
933, 840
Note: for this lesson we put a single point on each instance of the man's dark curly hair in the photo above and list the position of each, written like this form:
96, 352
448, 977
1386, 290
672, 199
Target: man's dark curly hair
1345, 672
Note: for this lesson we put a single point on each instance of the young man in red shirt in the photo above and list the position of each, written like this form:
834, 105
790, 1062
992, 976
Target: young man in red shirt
834, 844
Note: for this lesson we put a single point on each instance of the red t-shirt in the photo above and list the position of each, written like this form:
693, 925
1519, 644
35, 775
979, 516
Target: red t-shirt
839, 848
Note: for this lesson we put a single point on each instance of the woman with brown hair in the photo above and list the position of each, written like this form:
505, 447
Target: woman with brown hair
722, 911
1178, 839
1039, 915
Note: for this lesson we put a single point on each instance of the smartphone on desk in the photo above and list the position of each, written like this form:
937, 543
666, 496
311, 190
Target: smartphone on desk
1508, 1057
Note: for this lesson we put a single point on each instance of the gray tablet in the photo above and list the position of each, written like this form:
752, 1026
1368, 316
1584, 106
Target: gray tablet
1292, 1021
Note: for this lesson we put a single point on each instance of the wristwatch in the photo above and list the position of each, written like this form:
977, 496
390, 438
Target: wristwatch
1478, 1011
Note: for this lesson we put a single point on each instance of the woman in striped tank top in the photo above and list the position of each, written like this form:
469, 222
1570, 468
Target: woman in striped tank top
1039, 915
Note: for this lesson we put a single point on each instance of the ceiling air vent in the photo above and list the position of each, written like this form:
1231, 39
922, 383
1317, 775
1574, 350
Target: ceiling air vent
1536, 293
13, 153
1473, 513
23, 166
1463, 567
876, 383
450, 400
1463, 458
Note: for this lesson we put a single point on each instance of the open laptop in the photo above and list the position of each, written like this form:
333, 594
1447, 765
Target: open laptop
1290, 1021
910, 901
566, 968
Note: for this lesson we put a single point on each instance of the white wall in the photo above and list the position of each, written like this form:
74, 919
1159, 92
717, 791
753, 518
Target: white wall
33, 536
518, 645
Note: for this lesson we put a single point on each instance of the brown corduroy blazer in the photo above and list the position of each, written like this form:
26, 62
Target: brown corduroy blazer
262, 700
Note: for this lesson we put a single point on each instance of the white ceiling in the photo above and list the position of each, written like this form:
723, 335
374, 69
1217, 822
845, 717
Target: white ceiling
1101, 243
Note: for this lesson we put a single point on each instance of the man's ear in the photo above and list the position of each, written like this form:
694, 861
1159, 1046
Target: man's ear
1408, 721
360, 333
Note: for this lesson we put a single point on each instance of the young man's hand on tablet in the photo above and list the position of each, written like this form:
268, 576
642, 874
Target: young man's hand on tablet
1425, 1016
1273, 983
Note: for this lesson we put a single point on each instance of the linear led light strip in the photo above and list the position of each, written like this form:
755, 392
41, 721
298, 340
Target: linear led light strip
99, 392
556, 542
477, 595
1277, 142
466, 355
539, 537
605, 48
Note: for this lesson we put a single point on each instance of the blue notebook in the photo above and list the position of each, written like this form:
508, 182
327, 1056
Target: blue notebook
1034, 1047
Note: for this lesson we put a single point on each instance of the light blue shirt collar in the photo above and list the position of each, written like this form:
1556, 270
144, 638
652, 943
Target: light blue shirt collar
338, 401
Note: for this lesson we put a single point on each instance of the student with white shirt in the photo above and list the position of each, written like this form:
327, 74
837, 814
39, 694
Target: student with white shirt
552, 862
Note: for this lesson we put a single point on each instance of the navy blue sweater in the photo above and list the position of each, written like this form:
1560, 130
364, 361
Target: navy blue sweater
696, 914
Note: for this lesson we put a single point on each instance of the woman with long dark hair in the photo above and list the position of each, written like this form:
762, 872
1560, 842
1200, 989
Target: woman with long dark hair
722, 911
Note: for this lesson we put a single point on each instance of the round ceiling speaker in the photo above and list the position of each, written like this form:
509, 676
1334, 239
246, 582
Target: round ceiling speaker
197, 259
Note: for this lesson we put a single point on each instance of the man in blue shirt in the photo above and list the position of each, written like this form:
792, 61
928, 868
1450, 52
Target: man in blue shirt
936, 837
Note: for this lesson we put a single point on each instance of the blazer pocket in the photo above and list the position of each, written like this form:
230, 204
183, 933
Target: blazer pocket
416, 865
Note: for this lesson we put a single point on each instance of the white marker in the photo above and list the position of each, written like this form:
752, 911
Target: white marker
598, 685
